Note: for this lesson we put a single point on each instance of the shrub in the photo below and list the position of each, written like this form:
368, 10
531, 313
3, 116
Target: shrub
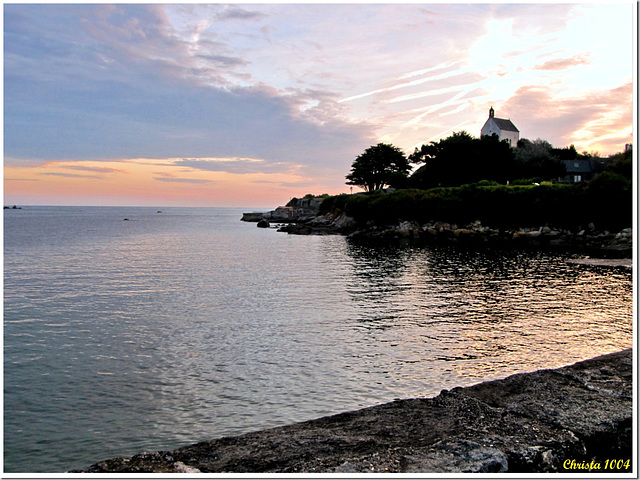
609, 199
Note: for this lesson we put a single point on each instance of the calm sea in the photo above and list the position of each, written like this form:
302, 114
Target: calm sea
169, 328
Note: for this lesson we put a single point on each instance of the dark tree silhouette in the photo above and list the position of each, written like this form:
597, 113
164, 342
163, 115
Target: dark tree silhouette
460, 159
379, 166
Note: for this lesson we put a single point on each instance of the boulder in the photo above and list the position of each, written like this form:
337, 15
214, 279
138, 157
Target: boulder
252, 217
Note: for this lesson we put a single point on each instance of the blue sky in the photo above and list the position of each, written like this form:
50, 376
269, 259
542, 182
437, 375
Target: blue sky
249, 105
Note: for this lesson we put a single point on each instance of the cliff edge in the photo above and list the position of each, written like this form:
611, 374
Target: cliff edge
572, 419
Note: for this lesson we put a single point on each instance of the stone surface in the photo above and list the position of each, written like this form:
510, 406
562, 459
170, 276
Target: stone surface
533, 422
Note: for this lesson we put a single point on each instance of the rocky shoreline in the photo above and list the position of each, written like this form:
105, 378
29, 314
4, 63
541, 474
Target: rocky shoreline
572, 419
605, 243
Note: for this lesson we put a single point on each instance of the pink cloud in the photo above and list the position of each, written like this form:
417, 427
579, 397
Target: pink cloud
95, 169
564, 63
540, 115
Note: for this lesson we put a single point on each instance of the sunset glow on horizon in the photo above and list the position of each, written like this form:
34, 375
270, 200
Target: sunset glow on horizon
250, 105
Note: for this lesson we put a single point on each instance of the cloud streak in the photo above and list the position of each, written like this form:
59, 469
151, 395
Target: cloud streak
564, 63
182, 180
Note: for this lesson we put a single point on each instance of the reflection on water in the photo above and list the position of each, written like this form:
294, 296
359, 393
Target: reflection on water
486, 314
170, 329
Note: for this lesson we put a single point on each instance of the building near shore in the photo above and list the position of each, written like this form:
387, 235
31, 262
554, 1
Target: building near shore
502, 127
577, 170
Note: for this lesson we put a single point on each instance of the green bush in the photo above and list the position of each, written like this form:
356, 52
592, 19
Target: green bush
526, 181
606, 202
610, 199
496, 205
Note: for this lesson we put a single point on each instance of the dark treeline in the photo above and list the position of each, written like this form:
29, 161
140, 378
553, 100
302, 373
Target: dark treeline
461, 159
605, 204
463, 179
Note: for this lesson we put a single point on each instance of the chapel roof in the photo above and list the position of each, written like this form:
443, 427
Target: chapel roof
505, 124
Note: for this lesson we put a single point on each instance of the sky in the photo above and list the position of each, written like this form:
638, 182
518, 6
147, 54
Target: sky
249, 105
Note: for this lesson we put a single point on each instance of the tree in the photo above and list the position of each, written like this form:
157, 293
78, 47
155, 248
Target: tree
379, 165
536, 159
460, 159
567, 153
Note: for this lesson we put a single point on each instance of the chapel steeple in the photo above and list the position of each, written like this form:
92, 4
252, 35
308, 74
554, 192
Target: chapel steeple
491, 112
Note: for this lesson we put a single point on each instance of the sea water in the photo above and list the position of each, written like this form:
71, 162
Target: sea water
142, 329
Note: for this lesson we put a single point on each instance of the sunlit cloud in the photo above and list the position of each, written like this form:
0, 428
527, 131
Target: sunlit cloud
585, 124
86, 168
564, 63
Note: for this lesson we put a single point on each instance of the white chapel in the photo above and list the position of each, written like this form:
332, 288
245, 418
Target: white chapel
504, 128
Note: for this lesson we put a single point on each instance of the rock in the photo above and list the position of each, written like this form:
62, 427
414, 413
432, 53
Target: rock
405, 230
456, 457
252, 217
343, 222
264, 223
180, 467
463, 232
156, 462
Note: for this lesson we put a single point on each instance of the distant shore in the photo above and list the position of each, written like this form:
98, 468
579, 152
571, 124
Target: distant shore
571, 419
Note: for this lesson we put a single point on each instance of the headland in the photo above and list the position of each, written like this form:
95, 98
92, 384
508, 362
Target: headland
475, 217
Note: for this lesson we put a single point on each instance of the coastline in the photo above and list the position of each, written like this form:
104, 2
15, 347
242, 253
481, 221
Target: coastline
570, 419
588, 239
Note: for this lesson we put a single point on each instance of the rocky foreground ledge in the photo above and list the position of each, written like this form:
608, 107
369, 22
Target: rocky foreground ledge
572, 419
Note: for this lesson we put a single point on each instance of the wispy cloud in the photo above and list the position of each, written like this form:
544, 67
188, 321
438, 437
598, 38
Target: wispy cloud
231, 165
182, 180
412, 83
69, 175
564, 63
105, 170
